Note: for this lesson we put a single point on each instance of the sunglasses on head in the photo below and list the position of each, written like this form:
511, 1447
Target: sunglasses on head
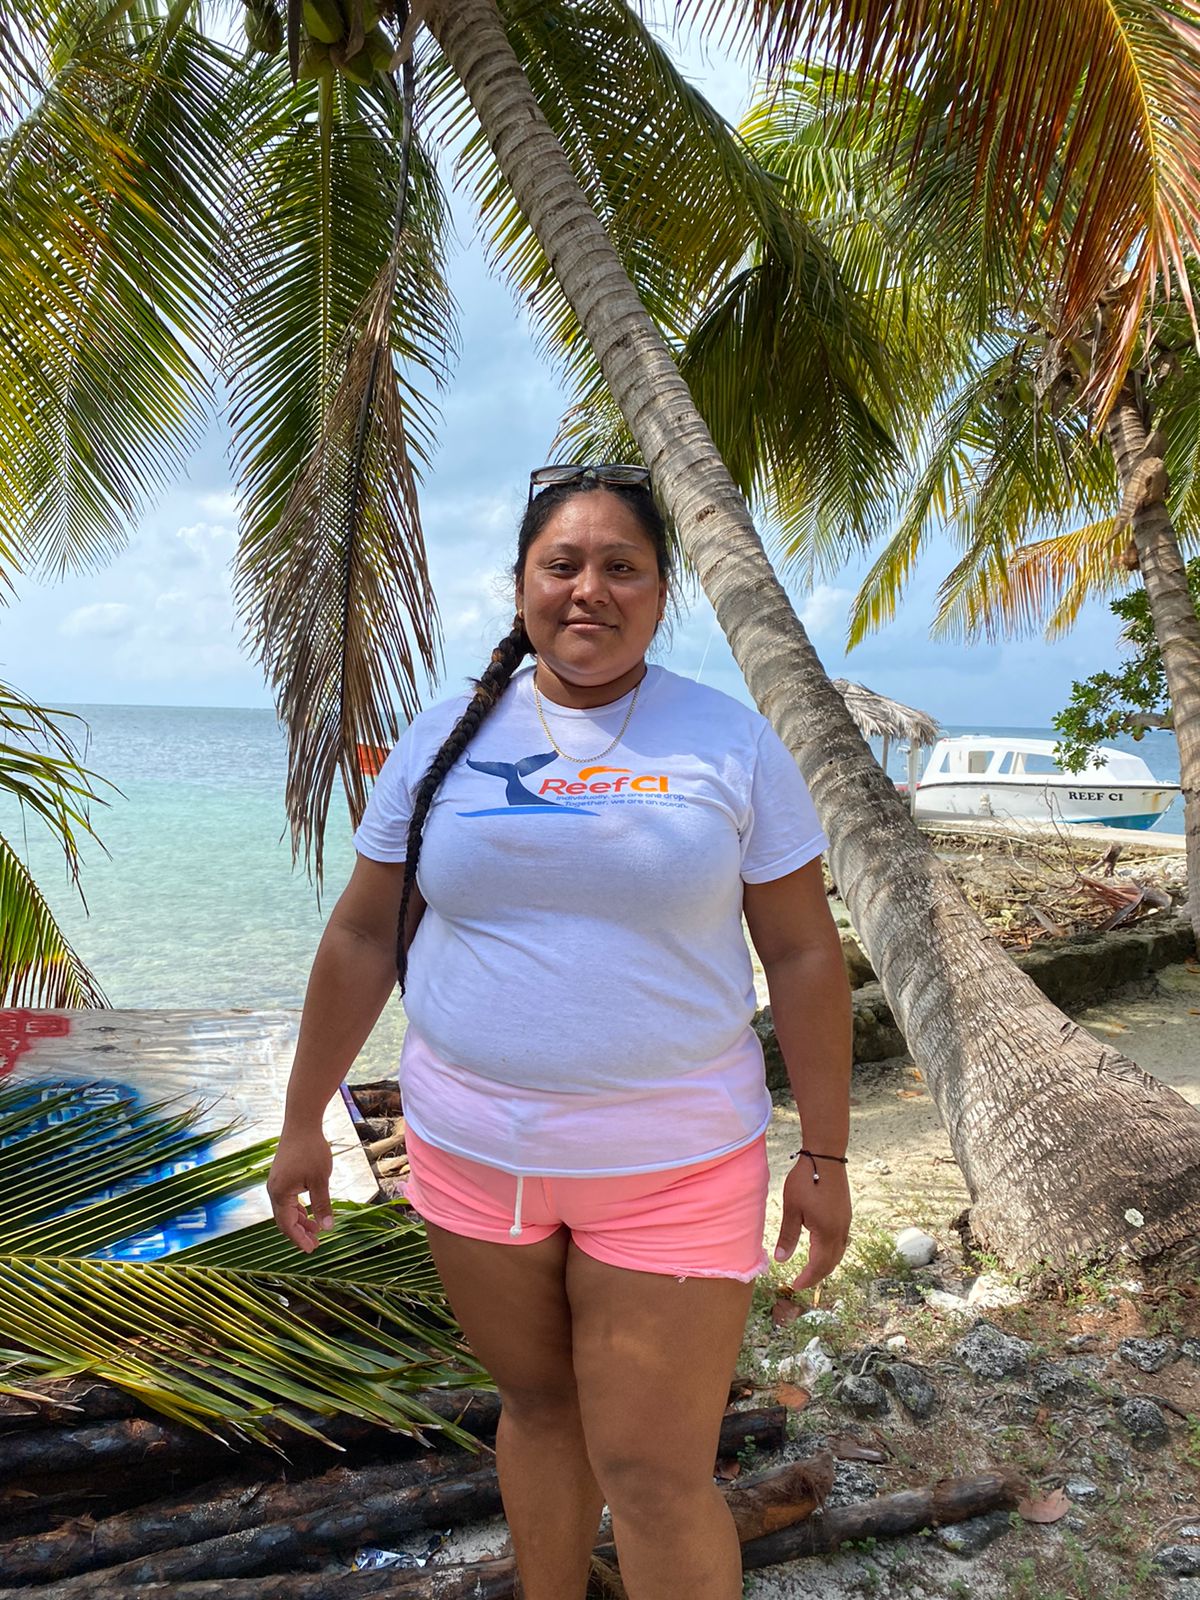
616, 473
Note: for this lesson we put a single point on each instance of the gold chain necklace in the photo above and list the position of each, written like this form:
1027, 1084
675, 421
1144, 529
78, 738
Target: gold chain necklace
579, 760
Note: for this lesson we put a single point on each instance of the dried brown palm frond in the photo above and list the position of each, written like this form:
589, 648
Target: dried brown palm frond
359, 610
337, 588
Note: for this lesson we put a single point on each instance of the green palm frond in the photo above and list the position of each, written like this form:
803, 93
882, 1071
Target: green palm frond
930, 291
40, 770
340, 318
939, 487
235, 1333
1107, 87
780, 357
792, 394
38, 966
19, 71
998, 463
104, 301
677, 190
1172, 362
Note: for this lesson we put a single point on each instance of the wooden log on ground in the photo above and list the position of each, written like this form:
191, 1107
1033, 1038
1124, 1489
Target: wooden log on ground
268, 1538
889, 1516
36, 1459
384, 1147
103, 1448
246, 1501
772, 1500
70, 1401
378, 1099
373, 1520
47, 1453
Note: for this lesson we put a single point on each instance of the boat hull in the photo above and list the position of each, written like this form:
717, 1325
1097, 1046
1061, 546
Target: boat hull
1116, 805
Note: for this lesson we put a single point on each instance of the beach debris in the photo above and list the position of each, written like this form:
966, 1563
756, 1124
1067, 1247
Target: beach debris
69, 1401
915, 1246
1050, 1508
807, 1366
371, 1559
387, 1146
40, 1455
380, 1098
946, 1301
990, 1291
791, 1395
1107, 863
247, 1500
1031, 889
374, 1519
844, 1447
785, 1495
255, 1535
252, 1526
1126, 898
952, 1501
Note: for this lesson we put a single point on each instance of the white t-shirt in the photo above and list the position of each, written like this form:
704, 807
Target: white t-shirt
580, 989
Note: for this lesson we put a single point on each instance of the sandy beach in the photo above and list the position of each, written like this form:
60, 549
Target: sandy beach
902, 1172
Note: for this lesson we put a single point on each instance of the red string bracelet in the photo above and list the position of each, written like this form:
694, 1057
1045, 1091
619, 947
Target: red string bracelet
814, 1158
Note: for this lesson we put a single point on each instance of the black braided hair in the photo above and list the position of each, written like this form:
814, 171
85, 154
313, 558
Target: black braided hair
506, 658
489, 686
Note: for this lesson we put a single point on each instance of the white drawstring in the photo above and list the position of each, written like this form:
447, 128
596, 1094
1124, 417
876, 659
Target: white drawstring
515, 1230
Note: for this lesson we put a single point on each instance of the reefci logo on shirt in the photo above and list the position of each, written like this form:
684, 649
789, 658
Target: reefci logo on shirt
644, 782
621, 781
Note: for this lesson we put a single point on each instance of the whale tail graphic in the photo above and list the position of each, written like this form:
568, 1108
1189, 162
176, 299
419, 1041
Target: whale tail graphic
512, 772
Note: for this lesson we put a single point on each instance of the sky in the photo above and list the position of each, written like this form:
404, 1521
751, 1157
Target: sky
157, 625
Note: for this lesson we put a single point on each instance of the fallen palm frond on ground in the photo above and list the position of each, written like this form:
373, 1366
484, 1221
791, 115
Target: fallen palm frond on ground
1031, 889
241, 1335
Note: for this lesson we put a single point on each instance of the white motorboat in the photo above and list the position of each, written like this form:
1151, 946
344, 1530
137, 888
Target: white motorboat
1018, 779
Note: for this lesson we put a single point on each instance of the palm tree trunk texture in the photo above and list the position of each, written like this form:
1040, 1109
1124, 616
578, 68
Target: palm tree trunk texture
1059, 1138
1176, 625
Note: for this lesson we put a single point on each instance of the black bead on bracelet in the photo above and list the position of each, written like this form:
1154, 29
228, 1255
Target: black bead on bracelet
814, 1158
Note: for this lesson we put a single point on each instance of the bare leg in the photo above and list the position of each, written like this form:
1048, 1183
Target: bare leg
653, 1358
511, 1303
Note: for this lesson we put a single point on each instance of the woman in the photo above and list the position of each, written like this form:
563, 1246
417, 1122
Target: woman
584, 1097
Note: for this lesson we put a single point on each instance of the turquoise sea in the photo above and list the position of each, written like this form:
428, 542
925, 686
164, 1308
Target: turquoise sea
196, 903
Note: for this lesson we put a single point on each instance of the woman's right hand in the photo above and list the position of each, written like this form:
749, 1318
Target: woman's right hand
302, 1165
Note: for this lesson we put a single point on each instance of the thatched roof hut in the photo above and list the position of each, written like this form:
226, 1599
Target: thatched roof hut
876, 715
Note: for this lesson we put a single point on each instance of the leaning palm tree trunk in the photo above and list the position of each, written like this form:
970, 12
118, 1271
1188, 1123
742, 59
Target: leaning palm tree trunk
1059, 1138
1176, 626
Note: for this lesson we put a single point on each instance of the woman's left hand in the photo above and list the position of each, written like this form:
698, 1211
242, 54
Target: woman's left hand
824, 1209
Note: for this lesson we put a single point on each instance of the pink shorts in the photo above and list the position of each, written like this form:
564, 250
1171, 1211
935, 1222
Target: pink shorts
702, 1221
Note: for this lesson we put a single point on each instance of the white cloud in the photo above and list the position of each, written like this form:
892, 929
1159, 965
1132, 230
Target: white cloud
222, 506
824, 609
104, 620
